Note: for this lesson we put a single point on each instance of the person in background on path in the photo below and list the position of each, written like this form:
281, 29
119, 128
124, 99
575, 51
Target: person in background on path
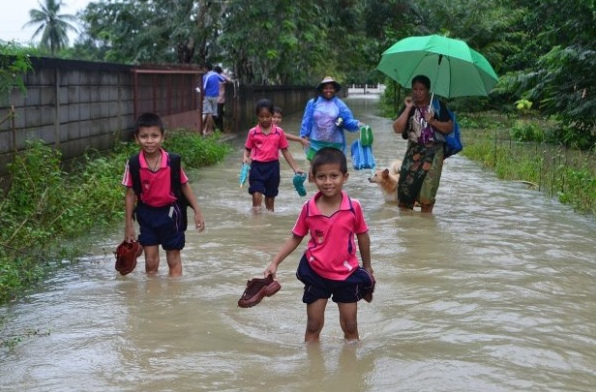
278, 116
211, 82
221, 98
325, 119
329, 267
262, 147
423, 161
157, 210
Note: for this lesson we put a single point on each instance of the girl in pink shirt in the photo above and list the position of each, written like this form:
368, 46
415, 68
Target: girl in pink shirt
329, 267
262, 147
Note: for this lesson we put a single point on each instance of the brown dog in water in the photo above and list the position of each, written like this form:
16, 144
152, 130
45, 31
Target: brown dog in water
387, 179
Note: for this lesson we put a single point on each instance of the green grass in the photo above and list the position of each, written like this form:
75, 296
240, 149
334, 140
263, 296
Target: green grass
494, 141
46, 207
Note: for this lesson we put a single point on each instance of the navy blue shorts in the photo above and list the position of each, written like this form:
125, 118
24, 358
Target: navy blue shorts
343, 291
264, 178
160, 225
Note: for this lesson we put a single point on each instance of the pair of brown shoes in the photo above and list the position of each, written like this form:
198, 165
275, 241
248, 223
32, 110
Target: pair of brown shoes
257, 289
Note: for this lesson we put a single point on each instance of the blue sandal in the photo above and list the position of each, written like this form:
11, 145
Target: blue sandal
298, 182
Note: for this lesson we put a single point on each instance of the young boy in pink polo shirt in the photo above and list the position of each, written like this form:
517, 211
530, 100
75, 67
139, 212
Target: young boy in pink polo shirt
154, 199
329, 267
262, 147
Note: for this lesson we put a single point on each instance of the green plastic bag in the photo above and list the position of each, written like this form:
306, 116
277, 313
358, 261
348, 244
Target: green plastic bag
366, 136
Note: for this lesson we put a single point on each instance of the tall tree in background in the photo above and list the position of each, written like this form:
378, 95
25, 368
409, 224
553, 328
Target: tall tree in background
275, 42
157, 31
53, 26
284, 42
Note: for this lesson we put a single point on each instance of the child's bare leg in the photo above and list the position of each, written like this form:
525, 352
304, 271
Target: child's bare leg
151, 259
205, 117
208, 128
426, 207
174, 262
348, 319
257, 200
315, 313
270, 203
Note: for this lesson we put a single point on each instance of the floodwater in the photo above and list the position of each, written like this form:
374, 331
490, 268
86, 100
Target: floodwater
493, 292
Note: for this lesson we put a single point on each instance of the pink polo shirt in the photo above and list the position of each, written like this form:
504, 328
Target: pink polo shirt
265, 147
157, 190
331, 250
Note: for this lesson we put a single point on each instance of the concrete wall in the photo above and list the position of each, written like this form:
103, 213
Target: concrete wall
72, 105
77, 105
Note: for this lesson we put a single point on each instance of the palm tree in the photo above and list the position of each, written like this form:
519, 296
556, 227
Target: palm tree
54, 25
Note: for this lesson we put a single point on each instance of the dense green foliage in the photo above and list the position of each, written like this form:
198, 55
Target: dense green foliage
543, 50
195, 151
46, 205
275, 42
562, 36
160, 31
14, 64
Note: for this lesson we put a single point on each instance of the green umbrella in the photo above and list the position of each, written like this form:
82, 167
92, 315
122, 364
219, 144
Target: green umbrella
454, 69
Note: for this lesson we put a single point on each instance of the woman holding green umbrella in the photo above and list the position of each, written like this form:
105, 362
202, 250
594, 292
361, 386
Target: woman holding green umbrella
423, 126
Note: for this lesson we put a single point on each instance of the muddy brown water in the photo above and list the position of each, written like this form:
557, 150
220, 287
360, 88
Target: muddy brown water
493, 292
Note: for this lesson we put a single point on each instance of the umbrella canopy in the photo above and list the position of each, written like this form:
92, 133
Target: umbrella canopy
454, 69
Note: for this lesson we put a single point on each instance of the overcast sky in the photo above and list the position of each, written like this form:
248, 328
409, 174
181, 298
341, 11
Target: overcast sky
15, 13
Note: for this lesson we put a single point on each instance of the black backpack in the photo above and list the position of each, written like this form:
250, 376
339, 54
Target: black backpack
134, 166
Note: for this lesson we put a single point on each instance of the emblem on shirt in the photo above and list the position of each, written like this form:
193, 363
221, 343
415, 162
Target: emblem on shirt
319, 236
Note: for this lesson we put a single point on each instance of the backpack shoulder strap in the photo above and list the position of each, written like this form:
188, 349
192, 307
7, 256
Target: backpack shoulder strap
351, 206
134, 168
174, 163
437, 107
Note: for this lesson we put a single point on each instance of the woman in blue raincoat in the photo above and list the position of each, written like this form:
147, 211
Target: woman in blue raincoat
325, 119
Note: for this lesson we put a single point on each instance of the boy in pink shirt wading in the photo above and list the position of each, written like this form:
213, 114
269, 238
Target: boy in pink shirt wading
329, 267
262, 147
157, 208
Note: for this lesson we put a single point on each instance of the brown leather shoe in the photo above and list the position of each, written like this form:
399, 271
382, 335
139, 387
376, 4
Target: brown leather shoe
367, 292
126, 256
257, 289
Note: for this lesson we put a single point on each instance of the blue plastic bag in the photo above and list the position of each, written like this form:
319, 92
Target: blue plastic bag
243, 174
362, 156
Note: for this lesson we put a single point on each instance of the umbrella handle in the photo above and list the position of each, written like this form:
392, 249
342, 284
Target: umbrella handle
432, 98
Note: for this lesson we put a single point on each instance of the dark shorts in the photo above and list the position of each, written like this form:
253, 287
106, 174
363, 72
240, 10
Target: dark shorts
342, 291
264, 178
160, 225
